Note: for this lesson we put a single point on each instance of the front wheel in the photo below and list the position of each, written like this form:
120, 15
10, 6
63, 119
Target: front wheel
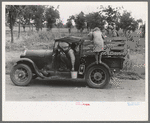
21, 75
97, 77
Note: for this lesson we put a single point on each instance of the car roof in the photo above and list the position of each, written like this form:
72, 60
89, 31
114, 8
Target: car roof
70, 39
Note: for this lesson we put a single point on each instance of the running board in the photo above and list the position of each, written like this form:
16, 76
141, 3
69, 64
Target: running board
60, 74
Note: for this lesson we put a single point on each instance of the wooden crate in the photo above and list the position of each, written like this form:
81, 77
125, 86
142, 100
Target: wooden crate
115, 46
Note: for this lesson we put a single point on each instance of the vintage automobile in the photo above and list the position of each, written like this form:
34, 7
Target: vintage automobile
32, 62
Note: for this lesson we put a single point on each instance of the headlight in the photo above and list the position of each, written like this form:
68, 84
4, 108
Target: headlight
23, 54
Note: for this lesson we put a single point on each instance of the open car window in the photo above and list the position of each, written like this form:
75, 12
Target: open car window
77, 48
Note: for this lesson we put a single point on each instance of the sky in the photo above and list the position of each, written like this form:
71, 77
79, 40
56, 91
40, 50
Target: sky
138, 9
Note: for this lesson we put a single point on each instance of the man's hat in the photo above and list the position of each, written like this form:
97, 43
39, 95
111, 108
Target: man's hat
63, 44
110, 27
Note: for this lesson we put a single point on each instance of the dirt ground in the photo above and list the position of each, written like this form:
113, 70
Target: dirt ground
75, 90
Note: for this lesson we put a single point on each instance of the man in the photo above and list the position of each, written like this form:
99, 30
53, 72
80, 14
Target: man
67, 55
97, 38
114, 31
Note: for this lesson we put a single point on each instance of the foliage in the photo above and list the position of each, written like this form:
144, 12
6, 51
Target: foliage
80, 21
127, 22
59, 24
95, 19
51, 15
140, 20
69, 23
38, 17
34, 13
143, 30
111, 14
28, 15
24, 14
11, 11
20, 12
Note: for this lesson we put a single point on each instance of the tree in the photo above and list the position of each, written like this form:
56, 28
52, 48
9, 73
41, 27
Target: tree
25, 14
95, 19
38, 17
28, 14
143, 30
127, 22
51, 15
60, 24
133, 26
20, 13
12, 15
69, 24
111, 14
139, 20
80, 21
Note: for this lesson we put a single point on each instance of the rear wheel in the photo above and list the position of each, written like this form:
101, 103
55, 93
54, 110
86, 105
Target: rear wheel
21, 75
97, 77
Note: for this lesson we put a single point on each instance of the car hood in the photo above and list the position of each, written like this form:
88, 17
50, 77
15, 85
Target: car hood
37, 53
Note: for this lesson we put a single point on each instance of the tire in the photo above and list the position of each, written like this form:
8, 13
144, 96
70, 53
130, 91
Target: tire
97, 77
21, 75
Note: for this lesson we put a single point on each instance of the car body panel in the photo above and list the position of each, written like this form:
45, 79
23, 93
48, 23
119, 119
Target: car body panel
70, 39
31, 64
84, 56
39, 57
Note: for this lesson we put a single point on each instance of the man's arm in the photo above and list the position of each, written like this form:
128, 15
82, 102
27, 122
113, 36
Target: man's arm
103, 36
72, 57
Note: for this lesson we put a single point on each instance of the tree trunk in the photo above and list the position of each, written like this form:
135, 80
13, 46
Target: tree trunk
29, 25
124, 31
37, 29
40, 24
69, 30
12, 39
11, 28
24, 27
19, 28
32, 27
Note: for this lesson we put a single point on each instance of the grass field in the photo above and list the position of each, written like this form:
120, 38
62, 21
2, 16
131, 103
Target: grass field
37, 40
44, 40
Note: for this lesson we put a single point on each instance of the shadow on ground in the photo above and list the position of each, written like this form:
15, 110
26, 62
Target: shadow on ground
59, 82
62, 83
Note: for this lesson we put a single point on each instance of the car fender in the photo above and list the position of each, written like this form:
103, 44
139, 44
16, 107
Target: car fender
31, 64
102, 63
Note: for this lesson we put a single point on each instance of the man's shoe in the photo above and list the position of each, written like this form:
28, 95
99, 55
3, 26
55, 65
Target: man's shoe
45, 73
